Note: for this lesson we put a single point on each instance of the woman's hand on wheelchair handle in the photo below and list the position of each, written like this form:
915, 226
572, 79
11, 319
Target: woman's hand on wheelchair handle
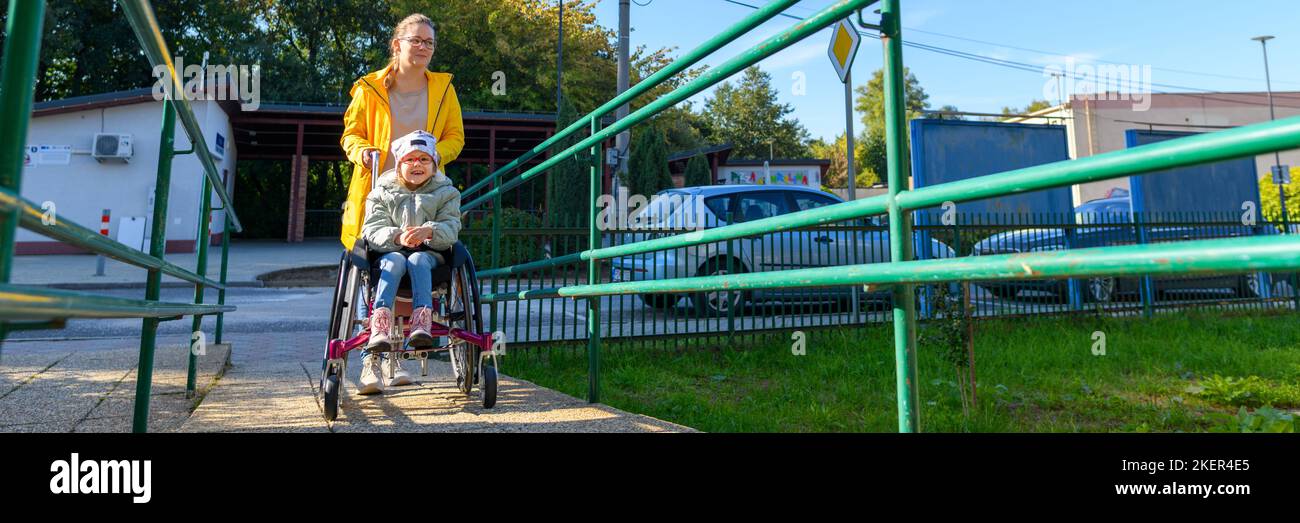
365, 158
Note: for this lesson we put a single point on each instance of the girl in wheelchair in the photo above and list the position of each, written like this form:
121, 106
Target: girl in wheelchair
413, 211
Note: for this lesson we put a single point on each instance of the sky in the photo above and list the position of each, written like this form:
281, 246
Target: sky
1189, 45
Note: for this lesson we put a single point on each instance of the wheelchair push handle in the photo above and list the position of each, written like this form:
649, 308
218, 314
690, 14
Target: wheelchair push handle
374, 166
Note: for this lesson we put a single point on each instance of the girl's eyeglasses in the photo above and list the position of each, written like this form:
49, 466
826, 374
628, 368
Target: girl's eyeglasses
414, 41
423, 160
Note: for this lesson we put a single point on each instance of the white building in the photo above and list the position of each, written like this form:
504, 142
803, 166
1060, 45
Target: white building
1096, 126
79, 187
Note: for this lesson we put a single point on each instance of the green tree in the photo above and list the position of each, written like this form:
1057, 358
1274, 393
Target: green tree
1036, 105
568, 183
749, 116
698, 172
683, 127
874, 161
648, 165
1270, 206
871, 104
484, 42
949, 109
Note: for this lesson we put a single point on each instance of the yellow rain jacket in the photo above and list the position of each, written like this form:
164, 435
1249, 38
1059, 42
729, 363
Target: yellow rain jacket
366, 125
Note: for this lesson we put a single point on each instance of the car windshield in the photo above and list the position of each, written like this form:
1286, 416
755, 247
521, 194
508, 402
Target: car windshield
669, 210
1112, 212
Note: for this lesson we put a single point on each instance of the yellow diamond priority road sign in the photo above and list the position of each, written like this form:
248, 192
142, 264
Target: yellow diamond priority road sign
844, 44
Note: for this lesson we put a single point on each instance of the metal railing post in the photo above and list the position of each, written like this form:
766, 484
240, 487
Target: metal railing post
225, 258
900, 228
22, 50
153, 285
1146, 285
196, 328
731, 269
593, 271
496, 251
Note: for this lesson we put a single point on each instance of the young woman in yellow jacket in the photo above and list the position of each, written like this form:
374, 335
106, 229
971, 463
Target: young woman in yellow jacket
391, 102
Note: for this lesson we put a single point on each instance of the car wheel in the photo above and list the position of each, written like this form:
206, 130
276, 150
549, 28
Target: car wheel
1250, 285
1100, 290
719, 303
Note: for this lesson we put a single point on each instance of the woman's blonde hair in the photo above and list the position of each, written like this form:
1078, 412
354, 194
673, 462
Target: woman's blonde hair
401, 28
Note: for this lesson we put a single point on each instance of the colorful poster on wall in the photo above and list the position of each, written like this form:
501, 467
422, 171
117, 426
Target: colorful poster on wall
805, 176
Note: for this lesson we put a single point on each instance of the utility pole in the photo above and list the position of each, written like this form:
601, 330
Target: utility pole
559, 63
1277, 158
624, 43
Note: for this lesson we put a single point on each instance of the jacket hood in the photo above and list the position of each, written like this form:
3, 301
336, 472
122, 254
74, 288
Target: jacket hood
389, 182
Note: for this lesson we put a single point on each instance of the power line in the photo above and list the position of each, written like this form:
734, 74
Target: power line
1061, 53
1032, 68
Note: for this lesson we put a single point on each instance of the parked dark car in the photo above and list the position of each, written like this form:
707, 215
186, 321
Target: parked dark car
1109, 222
697, 208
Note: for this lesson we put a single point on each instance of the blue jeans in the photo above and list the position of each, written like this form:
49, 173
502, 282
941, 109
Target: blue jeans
391, 268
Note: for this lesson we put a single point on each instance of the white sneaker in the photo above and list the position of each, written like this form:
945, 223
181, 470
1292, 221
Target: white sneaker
372, 373
397, 376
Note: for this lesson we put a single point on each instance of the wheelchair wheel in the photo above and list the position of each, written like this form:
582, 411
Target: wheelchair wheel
330, 395
340, 293
463, 314
489, 386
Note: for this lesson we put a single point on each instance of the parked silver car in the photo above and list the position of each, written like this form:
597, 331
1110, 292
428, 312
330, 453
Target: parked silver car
675, 211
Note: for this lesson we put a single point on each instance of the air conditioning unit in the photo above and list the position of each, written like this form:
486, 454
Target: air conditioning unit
111, 146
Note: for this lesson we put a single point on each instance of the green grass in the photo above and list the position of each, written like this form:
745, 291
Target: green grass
1175, 372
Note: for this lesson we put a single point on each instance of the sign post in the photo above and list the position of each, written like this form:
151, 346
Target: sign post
842, 49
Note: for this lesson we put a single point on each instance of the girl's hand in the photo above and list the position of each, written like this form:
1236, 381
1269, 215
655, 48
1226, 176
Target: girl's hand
413, 236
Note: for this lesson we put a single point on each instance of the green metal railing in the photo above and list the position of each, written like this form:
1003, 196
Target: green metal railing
538, 316
902, 273
22, 307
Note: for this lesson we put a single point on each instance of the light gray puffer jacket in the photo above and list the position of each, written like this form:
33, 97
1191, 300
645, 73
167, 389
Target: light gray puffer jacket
391, 206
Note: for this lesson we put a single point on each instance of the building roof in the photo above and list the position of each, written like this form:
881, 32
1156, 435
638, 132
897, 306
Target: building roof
777, 161
708, 149
93, 101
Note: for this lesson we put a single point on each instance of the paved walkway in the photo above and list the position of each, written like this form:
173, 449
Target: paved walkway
89, 385
270, 386
255, 257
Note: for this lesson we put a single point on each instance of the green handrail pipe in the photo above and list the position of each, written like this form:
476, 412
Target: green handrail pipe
204, 238
19, 302
153, 281
900, 221
140, 15
1224, 255
727, 36
770, 46
22, 51
71, 233
1247, 140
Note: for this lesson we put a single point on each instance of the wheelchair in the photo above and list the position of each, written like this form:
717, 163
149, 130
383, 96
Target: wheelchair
456, 313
